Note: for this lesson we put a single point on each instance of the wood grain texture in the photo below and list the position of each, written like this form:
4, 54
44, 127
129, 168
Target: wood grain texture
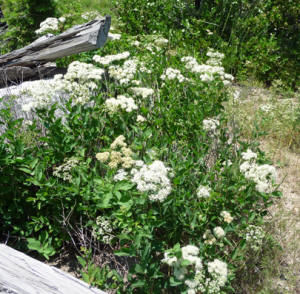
21, 274
80, 38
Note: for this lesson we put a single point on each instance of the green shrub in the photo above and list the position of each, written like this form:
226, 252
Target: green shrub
23, 17
137, 190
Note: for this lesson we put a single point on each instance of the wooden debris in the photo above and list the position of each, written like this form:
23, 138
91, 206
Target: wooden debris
21, 274
80, 38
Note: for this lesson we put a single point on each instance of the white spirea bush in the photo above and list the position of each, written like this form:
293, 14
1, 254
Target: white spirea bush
153, 179
111, 58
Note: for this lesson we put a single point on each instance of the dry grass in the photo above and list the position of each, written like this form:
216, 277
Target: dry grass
271, 120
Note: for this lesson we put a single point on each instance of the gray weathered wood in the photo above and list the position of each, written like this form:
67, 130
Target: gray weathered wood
80, 38
18, 74
21, 274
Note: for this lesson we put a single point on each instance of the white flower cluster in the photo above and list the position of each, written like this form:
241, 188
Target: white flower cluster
211, 125
120, 175
152, 178
199, 283
49, 24
219, 232
111, 58
113, 37
249, 154
64, 171
226, 216
116, 158
123, 102
161, 42
203, 191
255, 236
144, 92
215, 57
123, 74
173, 74
209, 70
83, 72
218, 270
209, 237
263, 175
41, 94
102, 230
78, 82
189, 253
140, 119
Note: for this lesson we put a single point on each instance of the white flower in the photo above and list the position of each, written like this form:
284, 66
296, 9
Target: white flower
144, 92
227, 216
249, 154
172, 74
161, 42
123, 74
102, 156
203, 192
118, 142
64, 171
62, 19
140, 118
153, 178
120, 175
50, 23
169, 260
189, 250
111, 58
192, 284
114, 37
218, 270
125, 103
210, 125
219, 232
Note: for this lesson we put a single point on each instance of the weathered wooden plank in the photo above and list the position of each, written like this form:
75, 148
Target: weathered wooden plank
18, 74
21, 274
80, 38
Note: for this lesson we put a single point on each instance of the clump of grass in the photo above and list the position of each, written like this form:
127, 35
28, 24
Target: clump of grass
262, 114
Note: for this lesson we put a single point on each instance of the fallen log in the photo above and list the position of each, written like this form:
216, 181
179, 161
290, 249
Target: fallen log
18, 74
80, 38
21, 274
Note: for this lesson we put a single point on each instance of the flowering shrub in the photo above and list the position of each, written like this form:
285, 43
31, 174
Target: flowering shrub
133, 160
